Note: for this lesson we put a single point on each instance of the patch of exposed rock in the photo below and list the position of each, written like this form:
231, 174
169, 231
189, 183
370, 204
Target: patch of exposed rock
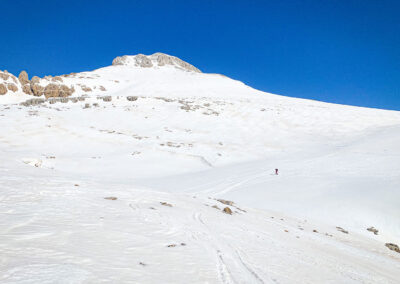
156, 59
4, 76
12, 87
23, 78
55, 90
373, 230
86, 89
111, 198
393, 247
340, 229
57, 79
35, 80
227, 210
143, 61
27, 89
50, 87
226, 202
3, 89
37, 90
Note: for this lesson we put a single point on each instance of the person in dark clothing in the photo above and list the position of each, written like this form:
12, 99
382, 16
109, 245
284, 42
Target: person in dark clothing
276, 171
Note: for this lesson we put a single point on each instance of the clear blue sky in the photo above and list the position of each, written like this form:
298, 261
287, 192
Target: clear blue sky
346, 51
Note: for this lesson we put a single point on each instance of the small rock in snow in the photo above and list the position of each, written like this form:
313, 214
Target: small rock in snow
373, 230
340, 229
110, 198
393, 247
226, 202
227, 210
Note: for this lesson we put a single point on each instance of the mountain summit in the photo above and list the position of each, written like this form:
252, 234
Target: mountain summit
157, 59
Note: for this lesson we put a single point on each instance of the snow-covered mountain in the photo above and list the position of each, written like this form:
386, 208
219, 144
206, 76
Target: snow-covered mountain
163, 141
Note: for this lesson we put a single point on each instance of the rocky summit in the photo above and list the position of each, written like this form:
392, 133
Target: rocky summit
155, 60
63, 86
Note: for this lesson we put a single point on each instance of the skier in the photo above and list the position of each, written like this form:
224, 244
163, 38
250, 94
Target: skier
276, 171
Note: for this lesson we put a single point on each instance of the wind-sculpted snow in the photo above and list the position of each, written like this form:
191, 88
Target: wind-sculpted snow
121, 184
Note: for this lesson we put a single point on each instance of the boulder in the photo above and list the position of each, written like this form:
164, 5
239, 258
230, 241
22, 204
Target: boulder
37, 90
227, 210
27, 89
393, 247
3, 89
373, 230
23, 78
35, 80
12, 87
65, 91
54, 90
51, 90
4, 76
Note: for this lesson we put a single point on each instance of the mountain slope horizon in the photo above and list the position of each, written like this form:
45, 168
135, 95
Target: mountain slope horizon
12, 89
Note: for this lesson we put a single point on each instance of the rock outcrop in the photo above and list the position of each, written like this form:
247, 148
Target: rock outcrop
37, 90
55, 90
3, 89
35, 80
57, 79
156, 59
62, 86
143, 61
12, 87
4, 76
27, 89
23, 78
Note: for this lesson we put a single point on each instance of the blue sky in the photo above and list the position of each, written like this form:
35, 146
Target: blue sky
345, 52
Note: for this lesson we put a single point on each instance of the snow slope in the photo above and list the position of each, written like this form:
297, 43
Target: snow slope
188, 139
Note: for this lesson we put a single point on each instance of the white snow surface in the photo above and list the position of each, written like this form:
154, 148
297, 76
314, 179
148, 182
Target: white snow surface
189, 139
